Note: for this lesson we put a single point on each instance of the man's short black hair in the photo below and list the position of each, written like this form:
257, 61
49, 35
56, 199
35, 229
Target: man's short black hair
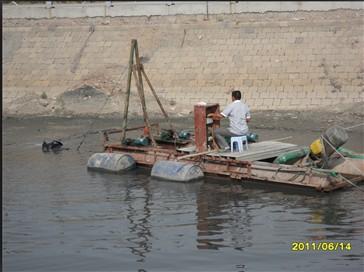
236, 94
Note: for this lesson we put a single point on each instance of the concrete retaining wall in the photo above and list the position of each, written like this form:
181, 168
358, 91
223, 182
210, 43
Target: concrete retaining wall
287, 60
131, 8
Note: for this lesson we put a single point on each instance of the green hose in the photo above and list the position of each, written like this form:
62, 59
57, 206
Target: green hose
350, 154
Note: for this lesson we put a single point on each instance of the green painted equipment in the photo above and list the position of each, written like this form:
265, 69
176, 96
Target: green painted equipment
292, 156
350, 154
184, 135
166, 135
141, 141
252, 138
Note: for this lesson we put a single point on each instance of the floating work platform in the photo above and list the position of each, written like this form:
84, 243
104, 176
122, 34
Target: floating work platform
255, 164
181, 159
236, 167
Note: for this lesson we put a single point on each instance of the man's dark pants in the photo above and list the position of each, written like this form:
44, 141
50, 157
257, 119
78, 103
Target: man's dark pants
220, 134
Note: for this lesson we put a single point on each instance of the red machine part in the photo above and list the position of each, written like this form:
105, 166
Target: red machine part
201, 126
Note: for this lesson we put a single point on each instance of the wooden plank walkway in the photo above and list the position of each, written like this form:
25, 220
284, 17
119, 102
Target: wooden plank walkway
256, 152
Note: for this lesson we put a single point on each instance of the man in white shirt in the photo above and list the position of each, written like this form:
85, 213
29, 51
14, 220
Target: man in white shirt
238, 114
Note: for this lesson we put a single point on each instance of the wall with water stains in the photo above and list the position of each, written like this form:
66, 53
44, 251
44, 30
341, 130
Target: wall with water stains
280, 60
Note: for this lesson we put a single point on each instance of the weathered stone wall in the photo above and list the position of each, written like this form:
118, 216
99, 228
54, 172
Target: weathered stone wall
284, 60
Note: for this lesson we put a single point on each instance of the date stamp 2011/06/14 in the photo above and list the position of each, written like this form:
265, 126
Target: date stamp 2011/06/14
320, 246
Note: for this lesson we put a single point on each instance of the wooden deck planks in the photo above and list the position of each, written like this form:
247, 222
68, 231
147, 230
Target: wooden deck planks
257, 151
188, 149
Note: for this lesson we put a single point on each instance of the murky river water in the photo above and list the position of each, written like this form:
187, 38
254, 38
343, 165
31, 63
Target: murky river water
57, 216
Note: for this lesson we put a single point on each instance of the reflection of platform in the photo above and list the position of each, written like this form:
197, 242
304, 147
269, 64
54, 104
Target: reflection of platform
257, 151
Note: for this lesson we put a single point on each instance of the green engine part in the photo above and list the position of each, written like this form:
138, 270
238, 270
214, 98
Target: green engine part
184, 135
292, 156
251, 136
127, 141
166, 135
141, 141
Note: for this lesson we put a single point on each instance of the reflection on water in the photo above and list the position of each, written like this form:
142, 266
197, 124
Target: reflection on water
223, 212
59, 216
138, 213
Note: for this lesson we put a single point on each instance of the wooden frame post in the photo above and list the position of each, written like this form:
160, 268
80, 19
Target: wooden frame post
144, 107
127, 95
156, 97
137, 71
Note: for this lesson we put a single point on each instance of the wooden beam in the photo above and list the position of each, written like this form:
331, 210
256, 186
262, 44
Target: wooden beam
156, 97
116, 130
127, 94
141, 93
144, 108
195, 155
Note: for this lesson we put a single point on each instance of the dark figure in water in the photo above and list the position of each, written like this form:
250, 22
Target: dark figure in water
51, 146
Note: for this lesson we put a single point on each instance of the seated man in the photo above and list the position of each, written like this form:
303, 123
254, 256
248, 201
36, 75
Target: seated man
239, 116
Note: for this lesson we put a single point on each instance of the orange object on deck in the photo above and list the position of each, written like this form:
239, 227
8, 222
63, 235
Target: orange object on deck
146, 131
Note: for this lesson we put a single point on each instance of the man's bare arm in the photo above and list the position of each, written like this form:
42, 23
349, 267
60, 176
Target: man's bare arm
216, 116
